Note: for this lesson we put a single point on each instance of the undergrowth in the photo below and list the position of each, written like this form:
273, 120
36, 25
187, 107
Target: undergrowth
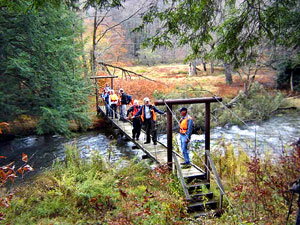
78, 191
256, 186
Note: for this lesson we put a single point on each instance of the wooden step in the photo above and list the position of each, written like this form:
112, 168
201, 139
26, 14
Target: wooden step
194, 177
210, 213
202, 206
201, 196
198, 186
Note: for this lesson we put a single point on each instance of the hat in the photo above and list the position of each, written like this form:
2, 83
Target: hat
183, 109
146, 99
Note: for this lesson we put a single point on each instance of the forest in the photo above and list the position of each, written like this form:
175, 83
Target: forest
216, 135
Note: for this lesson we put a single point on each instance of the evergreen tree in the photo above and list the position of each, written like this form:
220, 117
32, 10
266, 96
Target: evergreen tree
40, 71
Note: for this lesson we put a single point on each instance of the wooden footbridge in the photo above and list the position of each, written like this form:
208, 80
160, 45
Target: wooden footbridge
195, 181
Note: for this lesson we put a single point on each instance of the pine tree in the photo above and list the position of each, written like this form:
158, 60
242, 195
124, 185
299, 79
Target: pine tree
40, 70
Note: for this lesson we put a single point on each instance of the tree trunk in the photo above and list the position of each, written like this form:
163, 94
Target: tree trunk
93, 51
228, 74
291, 81
194, 65
85, 67
190, 69
212, 67
204, 66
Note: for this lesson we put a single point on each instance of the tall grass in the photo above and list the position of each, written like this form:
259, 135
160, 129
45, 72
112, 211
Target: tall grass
78, 191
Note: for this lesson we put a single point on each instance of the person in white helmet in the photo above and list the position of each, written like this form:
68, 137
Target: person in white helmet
148, 117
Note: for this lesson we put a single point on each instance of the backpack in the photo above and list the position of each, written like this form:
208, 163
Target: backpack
128, 99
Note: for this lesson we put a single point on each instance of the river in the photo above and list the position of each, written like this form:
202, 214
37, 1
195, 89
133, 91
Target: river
272, 134
43, 150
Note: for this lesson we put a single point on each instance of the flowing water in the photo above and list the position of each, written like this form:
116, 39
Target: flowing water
43, 150
272, 134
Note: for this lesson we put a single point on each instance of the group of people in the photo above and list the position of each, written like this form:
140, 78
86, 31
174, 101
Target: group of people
113, 101
145, 115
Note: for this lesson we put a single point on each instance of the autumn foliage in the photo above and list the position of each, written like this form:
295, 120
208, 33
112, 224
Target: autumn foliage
141, 88
9, 172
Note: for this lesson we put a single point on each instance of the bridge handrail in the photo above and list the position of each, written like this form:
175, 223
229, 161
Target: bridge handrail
180, 176
218, 180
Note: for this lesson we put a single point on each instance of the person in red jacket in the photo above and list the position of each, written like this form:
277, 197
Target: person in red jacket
136, 121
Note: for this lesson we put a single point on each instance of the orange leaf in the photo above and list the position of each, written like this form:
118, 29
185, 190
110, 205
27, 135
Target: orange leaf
2, 174
2, 157
11, 177
20, 170
28, 168
24, 157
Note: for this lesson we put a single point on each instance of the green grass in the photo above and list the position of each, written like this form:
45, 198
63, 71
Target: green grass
78, 191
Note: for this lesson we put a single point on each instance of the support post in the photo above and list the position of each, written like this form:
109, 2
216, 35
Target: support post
97, 97
207, 138
169, 136
112, 83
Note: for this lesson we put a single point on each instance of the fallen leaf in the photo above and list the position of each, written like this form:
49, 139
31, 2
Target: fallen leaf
24, 157
28, 168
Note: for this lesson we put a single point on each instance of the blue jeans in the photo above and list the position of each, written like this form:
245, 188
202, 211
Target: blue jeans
107, 109
122, 111
184, 149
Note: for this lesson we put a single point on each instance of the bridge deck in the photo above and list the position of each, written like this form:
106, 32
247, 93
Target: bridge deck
156, 152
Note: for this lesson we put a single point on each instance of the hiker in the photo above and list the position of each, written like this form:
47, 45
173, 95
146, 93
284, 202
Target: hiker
136, 121
186, 128
125, 99
105, 97
148, 117
107, 87
123, 103
113, 101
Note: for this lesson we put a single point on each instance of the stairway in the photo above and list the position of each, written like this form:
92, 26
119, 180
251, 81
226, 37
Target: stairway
201, 202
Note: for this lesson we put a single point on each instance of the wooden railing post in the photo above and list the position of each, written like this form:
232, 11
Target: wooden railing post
169, 136
207, 138
97, 97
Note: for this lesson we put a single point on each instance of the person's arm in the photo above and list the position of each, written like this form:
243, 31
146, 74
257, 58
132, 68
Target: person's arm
129, 111
190, 128
157, 110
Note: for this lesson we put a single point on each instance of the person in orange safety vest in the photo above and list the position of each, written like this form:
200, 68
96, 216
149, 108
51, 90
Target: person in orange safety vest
186, 128
148, 116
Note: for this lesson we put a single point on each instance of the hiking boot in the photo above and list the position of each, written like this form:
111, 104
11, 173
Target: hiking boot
147, 142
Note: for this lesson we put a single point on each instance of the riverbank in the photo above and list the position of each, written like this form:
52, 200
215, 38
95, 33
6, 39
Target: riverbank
79, 191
